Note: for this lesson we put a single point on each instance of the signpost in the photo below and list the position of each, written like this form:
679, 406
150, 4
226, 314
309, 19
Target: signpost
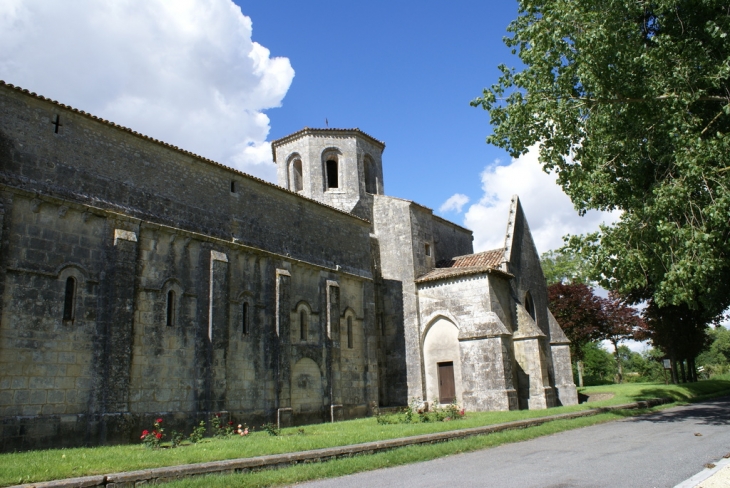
667, 365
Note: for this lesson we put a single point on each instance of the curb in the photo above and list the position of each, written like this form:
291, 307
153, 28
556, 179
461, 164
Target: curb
161, 475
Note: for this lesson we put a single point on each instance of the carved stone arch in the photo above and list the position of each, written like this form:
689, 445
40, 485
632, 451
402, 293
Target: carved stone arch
307, 393
295, 172
72, 269
433, 317
171, 299
332, 168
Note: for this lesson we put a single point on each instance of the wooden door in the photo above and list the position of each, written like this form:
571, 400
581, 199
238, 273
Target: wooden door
447, 390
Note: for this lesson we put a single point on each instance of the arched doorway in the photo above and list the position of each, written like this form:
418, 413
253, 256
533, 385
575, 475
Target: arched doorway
442, 361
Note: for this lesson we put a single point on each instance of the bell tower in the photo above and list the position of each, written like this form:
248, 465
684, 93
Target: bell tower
340, 167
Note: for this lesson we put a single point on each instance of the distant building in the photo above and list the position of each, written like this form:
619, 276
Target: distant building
140, 280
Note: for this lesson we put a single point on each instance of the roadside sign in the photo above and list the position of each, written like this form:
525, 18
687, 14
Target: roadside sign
667, 364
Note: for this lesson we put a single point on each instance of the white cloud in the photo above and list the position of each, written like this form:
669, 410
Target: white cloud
183, 71
549, 211
454, 203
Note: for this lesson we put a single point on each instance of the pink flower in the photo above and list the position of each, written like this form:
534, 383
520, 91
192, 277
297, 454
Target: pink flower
245, 431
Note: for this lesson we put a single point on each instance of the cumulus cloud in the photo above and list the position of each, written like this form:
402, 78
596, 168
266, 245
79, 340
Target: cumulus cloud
186, 72
549, 211
454, 203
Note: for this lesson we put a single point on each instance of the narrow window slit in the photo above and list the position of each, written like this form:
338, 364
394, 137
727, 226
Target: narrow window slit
69, 299
244, 318
303, 325
349, 332
170, 308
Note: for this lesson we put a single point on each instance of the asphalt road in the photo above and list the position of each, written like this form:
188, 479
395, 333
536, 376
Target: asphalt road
658, 450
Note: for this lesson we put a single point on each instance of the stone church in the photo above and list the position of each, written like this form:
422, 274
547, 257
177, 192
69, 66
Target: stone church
139, 280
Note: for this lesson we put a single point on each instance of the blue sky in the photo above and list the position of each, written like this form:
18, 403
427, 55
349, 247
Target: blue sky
223, 79
403, 72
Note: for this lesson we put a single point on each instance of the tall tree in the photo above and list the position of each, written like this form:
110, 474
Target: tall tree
619, 322
563, 266
578, 311
629, 102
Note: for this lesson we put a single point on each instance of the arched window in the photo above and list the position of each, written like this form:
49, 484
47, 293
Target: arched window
296, 182
369, 174
332, 174
530, 305
349, 332
69, 299
303, 325
244, 318
170, 308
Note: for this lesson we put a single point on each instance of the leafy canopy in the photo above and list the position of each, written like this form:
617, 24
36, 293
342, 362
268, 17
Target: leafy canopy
628, 100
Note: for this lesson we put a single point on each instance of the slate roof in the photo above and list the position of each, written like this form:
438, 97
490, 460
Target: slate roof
469, 264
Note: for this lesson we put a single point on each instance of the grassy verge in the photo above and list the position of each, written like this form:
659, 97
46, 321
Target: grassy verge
405, 455
65, 463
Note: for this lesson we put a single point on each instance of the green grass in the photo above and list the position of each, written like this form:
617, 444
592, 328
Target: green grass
65, 463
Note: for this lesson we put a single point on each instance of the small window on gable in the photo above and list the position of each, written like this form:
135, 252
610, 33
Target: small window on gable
332, 174
170, 308
244, 318
69, 300
428, 249
233, 186
303, 325
530, 305
349, 332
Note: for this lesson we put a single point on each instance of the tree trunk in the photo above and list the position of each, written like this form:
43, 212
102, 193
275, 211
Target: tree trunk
684, 375
692, 370
673, 363
619, 366
580, 373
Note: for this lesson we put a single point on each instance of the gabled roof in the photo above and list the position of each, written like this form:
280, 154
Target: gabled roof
469, 264
492, 258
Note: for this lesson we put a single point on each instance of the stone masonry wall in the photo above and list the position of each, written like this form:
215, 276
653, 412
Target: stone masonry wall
164, 256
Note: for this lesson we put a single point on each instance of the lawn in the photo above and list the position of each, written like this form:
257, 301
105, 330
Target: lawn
65, 463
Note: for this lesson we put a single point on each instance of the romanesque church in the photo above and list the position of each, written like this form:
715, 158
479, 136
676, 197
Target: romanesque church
140, 280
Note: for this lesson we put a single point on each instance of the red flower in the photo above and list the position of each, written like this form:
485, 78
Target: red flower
159, 421
158, 435
145, 433
230, 423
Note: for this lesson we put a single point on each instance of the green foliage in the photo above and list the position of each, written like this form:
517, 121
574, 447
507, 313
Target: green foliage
416, 412
629, 104
198, 433
716, 359
271, 429
599, 366
563, 266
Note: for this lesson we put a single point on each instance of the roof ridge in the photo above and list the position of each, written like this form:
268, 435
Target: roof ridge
25, 91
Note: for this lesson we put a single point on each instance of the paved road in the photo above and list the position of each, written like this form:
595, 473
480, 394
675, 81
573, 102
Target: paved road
658, 450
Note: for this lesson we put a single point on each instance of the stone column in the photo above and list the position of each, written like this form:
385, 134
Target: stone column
218, 327
333, 345
282, 347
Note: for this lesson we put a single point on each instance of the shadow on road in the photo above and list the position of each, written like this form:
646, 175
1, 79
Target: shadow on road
711, 412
